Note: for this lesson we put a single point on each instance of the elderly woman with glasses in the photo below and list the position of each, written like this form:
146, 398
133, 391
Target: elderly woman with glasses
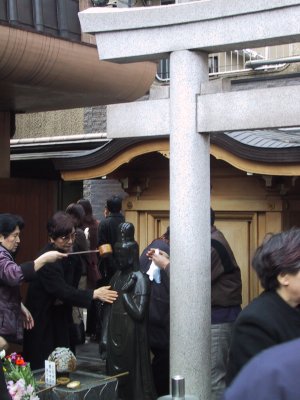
50, 298
13, 315
273, 317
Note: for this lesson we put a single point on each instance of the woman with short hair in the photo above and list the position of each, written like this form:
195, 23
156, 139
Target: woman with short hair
273, 317
51, 296
13, 314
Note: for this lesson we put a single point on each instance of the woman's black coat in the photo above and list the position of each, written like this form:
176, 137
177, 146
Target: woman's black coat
50, 299
266, 321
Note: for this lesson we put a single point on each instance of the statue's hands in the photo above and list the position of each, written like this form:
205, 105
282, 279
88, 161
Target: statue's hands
129, 285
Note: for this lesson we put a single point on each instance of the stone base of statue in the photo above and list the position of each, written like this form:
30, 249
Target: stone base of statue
93, 386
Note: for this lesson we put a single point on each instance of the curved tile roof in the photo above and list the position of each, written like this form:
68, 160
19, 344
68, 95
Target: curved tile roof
271, 146
268, 146
281, 138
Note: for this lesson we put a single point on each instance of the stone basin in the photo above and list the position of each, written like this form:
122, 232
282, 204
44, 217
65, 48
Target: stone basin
93, 386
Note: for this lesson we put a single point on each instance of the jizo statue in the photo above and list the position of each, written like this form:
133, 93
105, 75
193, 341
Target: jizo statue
127, 336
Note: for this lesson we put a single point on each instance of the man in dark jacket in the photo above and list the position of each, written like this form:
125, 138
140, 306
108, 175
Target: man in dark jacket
226, 299
107, 234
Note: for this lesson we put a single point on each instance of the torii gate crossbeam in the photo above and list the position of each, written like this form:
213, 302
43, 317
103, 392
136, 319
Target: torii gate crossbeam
126, 35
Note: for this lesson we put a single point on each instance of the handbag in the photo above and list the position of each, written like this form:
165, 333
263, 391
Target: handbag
77, 329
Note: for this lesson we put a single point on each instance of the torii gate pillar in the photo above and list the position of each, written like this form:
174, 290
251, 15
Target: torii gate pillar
190, 226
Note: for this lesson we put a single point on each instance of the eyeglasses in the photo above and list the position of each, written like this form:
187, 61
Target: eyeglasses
69, 237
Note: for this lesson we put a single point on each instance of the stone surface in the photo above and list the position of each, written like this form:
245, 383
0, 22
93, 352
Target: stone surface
50, 123
190, 227
94, 120
251, 108
216, 25
151, 118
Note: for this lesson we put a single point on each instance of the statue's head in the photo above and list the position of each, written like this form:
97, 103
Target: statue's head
126, 249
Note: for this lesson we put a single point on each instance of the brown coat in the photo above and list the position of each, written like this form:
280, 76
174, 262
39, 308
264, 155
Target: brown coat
226, 288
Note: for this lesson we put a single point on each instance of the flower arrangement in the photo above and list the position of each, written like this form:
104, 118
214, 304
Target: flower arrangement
19, 378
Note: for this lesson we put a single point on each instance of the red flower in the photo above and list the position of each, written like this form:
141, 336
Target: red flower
20, 360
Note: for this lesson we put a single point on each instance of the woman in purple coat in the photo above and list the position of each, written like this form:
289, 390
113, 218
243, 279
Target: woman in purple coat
13, 315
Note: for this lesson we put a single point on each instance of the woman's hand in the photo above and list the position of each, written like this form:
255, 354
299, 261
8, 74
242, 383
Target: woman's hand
28, 322
48, 257
105, 294
161, 259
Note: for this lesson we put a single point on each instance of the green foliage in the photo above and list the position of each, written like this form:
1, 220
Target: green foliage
14, 372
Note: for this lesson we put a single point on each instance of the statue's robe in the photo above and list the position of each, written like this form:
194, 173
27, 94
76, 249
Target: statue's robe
127, 336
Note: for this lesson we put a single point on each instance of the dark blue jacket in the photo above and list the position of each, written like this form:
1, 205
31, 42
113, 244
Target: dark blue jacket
271, 375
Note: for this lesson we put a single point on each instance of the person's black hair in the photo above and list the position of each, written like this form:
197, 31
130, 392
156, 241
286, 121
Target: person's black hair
60, 224
89, 218
86, 206
9, 222
166, 235
76, 211
114, 204
280, 254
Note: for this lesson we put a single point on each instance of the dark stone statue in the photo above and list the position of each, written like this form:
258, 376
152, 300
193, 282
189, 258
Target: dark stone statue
127, 336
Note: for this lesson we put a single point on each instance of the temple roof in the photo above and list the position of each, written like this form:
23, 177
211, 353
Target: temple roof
86, 156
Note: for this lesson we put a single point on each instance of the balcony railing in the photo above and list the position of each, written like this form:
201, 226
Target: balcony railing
235, 62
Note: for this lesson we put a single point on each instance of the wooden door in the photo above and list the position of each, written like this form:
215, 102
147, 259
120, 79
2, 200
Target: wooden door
240, 229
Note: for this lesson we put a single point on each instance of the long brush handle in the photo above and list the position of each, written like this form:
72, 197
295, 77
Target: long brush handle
84, 252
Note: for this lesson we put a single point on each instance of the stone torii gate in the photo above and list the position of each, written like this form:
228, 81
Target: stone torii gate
188, 32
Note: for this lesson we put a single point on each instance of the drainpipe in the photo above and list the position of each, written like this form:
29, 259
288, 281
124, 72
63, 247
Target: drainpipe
279, 61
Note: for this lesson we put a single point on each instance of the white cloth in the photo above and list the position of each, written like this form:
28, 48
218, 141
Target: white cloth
154, 270
87, 233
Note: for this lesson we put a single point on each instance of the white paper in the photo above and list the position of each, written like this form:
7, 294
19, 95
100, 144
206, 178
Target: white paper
50, 373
